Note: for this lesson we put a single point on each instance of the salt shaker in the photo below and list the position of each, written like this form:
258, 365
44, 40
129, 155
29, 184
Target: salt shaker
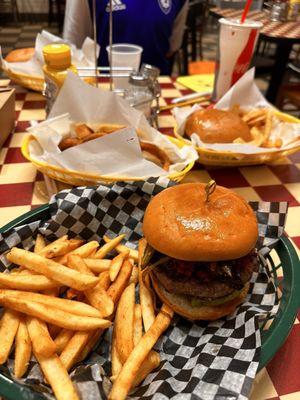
139, 94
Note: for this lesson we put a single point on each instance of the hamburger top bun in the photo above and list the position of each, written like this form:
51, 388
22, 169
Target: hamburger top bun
217, 126
179, 222
182, 306
20, 55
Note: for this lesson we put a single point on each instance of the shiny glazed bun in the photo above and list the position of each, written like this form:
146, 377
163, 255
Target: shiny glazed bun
217, 126
182, 306
20, 55
180, 223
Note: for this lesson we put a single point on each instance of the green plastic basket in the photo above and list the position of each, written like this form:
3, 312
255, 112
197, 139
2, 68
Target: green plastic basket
274, 330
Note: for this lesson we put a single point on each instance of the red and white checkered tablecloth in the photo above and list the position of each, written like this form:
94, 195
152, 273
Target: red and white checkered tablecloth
22, 188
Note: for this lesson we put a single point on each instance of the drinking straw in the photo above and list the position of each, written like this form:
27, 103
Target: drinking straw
246, 10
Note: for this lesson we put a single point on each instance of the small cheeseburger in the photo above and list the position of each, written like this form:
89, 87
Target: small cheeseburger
202, 240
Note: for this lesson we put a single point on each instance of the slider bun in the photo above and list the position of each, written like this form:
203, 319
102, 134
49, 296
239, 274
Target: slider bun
217, 126
20, 55
179, 222
182, 306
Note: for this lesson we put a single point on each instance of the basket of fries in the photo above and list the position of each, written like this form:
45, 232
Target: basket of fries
241, 129
60, 292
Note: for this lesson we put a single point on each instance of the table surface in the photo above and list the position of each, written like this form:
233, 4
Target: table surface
280, 30
22, 189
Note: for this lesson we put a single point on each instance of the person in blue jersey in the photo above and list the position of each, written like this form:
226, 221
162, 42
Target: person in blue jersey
155, 25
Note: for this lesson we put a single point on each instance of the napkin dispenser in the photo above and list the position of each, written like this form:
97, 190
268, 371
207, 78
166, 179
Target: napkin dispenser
7, 113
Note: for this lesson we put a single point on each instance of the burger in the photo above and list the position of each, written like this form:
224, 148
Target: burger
217, 126
202, 248
20, 55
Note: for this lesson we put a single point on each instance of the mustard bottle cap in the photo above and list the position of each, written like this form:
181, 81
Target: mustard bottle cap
57, 55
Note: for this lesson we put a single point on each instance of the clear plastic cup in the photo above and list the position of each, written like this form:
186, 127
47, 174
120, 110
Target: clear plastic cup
237, 43
124, 55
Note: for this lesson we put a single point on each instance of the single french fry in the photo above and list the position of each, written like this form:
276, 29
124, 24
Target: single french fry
93, 339
55, 249
116, 364
124, 323
134, 362
73, 307
121, 248
151, 362
8, 329
22, 350
51, 269
106, 248
83, 251
57, 376
116, 264
54, 315
39, 243
27, 282
146, 300
96, 296
138, 324
97, 266
73, 348
41, 340
134, 277
62, 340
104, 280
268, 127
116, 288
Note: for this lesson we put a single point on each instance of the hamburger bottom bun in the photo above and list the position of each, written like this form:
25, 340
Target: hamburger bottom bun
217, 126
20, 55
182, 306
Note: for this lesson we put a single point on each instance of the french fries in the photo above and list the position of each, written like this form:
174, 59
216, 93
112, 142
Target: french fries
116, 264
57, 376
22, 349
8, 329
124, 323
51, 269
123, 249
260, 121
54, 315
106, 248
40, 338
96, 296
61, 332
97, 266
27, 282
133, 363
117, 287
62, 339
77, 308
147, 306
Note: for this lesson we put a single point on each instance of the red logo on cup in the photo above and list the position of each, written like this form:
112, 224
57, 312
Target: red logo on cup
244, 58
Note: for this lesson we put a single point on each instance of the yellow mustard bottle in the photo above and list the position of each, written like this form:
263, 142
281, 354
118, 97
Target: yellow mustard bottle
57, 59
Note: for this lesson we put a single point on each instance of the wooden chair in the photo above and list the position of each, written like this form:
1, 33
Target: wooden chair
192, 38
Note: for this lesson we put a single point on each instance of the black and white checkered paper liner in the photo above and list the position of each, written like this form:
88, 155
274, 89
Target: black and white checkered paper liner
200, 360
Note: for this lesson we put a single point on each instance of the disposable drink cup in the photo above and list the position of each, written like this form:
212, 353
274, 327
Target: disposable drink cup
236, 46
124, 55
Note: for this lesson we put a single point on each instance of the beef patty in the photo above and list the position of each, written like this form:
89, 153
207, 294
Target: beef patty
206, 280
